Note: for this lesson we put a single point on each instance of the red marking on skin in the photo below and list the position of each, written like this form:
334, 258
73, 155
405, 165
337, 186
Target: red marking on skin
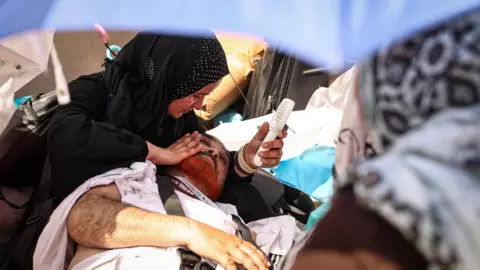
202, 175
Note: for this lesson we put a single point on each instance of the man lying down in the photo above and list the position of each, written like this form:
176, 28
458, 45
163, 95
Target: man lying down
137, 233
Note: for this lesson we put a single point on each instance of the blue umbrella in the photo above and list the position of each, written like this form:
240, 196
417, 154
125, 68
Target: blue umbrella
326, 32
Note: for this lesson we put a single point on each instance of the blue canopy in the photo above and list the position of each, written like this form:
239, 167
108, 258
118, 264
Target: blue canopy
326, 32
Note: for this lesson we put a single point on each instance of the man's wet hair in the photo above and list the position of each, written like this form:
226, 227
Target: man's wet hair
211, 137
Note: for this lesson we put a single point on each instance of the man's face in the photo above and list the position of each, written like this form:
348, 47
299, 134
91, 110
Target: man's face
208, 169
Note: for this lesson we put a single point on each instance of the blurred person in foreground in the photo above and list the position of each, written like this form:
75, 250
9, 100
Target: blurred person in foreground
133, 229
415, 206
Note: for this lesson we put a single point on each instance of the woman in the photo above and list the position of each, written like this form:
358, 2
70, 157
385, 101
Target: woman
140, 107
416, 205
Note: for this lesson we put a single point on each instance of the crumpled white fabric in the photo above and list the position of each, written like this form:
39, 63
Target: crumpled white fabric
275, 235
334, 96
137, 187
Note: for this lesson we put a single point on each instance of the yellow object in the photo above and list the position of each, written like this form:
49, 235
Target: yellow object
241, 51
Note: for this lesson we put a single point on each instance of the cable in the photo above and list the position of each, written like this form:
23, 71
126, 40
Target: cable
240, 90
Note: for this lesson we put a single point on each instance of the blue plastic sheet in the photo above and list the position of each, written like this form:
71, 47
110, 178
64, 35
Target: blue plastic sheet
327, 32
19, 101
227, 116
310, 172
317, 215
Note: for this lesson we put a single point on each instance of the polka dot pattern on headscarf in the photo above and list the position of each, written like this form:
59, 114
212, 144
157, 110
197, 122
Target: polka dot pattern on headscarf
210, 66
150, 68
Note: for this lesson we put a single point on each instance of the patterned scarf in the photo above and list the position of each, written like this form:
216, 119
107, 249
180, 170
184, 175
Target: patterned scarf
403, 86
421, 100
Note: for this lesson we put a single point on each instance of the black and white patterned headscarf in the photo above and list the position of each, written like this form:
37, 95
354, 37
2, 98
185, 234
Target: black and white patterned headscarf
404, 85
421, 98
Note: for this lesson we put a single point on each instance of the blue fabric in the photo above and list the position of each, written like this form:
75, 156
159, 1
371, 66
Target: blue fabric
317, 215
327, 32
19, 101
310, 172
114, 48
227, 116
324, 192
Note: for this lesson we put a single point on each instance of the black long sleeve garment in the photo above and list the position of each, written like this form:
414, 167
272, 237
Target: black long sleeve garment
80, 145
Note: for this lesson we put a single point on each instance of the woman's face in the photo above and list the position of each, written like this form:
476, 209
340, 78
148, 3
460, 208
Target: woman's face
193, 101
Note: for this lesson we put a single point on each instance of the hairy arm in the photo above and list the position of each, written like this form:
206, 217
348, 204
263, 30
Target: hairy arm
99, 220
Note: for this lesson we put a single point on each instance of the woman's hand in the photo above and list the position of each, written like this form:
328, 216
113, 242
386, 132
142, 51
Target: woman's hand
273, 149
185, 147
224, 248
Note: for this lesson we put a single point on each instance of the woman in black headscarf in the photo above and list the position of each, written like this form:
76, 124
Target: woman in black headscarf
138, 107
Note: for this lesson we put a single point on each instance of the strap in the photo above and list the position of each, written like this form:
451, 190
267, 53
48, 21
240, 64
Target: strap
191, 261
173, 206
169, 198
197, 192
11, 204
242, 228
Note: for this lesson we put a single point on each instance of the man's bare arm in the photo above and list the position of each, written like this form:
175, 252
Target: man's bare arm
99, 219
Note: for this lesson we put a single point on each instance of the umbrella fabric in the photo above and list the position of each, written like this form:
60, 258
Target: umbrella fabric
24, 56
327, 32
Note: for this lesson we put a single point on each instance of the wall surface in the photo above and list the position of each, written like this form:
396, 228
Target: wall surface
80, 53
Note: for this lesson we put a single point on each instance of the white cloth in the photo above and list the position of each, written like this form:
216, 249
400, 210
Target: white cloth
308, 132
352, 138
137, 187
334, 96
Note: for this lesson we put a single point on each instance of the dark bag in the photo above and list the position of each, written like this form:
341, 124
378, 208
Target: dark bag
18, 252
283, 199
278, 76
22, 160
23, 142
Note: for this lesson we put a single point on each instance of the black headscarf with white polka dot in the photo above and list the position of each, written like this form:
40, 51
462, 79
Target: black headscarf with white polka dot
153, 70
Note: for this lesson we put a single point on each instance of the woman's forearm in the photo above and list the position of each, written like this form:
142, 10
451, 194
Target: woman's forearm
100, 220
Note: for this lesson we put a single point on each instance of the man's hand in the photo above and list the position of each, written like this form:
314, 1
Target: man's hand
225, 249
271, 157
185, 147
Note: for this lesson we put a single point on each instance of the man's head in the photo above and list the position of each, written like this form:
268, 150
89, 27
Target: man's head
208, 169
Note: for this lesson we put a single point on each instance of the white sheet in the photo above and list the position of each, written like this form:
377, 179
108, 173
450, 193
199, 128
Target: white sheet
137, 187
313, 126
334, 96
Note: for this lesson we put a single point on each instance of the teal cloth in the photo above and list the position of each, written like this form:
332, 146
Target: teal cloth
19, 101
317, 215
227, 116
310, 172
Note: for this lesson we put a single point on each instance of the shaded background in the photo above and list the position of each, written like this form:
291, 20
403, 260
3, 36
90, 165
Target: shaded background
80, 53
